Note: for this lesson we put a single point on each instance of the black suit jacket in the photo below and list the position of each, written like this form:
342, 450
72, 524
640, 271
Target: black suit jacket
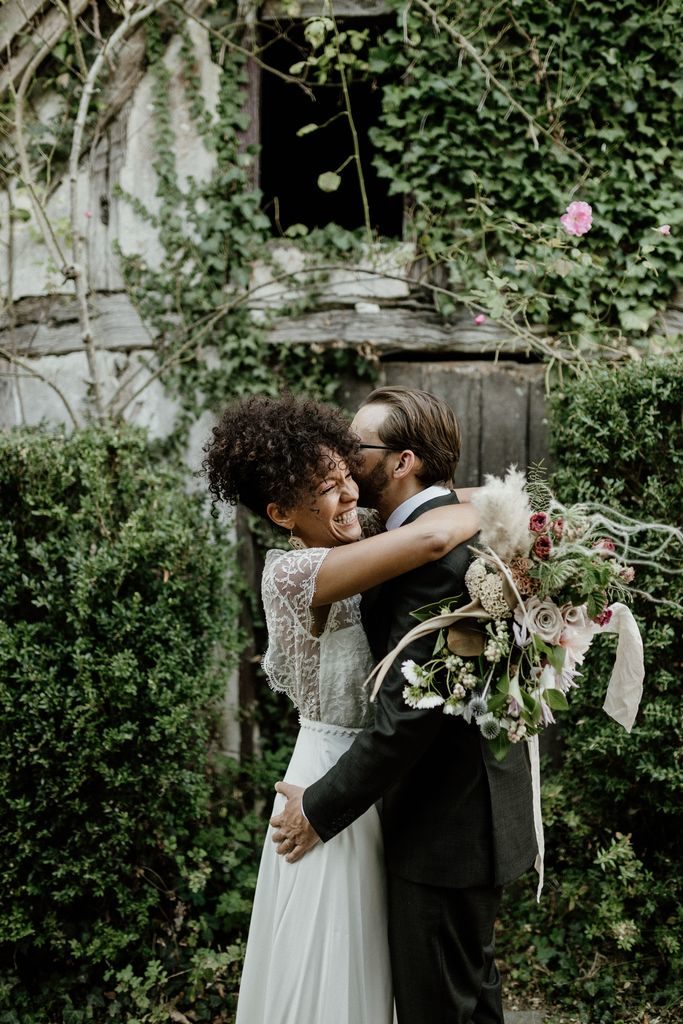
451, 815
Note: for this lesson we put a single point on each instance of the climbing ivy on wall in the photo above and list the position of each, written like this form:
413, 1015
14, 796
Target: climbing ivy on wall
604, 80
212, 233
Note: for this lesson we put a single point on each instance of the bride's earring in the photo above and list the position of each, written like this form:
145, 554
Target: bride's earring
295, 542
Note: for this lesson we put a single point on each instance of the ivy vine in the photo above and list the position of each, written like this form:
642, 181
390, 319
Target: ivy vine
485, 191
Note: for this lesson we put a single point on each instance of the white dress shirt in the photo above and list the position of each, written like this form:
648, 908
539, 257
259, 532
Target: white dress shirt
407, 507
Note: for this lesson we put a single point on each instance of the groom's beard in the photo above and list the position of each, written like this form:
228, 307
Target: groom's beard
372, 487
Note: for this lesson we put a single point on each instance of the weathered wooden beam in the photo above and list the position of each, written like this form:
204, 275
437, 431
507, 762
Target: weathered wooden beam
50, 30
393, 330
15, 16
49, 325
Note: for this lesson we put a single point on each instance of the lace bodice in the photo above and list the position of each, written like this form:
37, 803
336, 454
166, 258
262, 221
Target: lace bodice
323, 675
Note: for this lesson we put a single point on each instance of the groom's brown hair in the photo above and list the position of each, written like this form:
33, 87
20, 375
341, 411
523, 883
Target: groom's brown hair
423, 423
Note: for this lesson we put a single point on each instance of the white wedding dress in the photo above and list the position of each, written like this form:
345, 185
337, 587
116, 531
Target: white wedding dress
317, 951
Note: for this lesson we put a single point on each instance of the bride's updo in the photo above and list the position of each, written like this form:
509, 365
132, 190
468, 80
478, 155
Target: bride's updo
267, 449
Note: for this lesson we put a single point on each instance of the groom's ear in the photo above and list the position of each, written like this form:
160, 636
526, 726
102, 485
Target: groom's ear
280, 518
407, 463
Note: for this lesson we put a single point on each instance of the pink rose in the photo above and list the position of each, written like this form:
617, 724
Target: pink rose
603, 618
538, 522
479, 319
558, 527
578, 219
664, 229
543, 547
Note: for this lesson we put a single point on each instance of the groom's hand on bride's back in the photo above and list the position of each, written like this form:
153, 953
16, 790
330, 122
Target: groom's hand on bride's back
294, 834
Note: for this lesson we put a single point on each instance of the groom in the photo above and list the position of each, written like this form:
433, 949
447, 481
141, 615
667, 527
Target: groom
457, 824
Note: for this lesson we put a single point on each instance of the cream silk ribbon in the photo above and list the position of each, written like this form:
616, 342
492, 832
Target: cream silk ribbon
622, 700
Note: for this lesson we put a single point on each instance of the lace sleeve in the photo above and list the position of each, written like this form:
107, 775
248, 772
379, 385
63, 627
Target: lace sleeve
292, 658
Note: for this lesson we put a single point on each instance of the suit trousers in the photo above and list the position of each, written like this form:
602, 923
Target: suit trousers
441, 944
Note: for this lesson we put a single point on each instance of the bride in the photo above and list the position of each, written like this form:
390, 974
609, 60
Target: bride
317, 947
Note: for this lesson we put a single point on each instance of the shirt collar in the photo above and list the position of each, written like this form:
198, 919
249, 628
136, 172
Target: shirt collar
407, 507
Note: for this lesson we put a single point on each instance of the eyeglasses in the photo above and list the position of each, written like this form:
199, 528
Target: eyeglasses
379, 447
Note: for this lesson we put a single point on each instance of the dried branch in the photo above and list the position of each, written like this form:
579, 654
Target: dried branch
19, 95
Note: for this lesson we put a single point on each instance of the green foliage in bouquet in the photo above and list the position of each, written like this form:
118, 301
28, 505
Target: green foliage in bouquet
127, 853
607, 936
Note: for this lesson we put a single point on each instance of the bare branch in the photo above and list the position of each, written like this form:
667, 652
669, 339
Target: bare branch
79, 275
11, 358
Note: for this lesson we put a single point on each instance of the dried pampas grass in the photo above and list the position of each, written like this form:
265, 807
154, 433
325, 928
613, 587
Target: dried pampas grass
505, 511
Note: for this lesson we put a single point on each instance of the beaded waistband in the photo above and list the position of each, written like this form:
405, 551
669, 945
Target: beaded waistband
327, 727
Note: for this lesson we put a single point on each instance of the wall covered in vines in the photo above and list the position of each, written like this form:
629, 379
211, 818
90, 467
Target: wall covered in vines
565, 102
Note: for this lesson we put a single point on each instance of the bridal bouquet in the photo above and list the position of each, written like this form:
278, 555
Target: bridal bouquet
545, 581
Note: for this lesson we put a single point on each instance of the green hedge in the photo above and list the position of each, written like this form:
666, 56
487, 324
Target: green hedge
608, 935
112, 822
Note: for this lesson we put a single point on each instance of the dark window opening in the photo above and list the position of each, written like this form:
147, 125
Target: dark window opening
290, 165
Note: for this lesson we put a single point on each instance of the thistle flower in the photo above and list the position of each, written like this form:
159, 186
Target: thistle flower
488, 726
477, 706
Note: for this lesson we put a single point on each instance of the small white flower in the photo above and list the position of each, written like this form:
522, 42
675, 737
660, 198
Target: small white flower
469, 681
458, 691
412, 695
517, 731
453, 663
454, 707
412, 673
431, 700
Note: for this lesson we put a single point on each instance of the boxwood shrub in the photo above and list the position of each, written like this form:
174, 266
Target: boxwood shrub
114, 606
607, 938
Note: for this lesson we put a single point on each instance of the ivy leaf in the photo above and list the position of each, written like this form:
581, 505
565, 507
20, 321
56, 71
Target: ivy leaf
296, 230
329, 181
637, 319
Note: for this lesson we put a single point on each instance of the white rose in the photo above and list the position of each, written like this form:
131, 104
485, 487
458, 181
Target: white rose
544, 619
575, 615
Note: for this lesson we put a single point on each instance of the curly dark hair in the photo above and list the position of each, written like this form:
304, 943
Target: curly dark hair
271, 449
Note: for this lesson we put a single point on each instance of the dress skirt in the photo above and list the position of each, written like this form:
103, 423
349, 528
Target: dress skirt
317, 951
